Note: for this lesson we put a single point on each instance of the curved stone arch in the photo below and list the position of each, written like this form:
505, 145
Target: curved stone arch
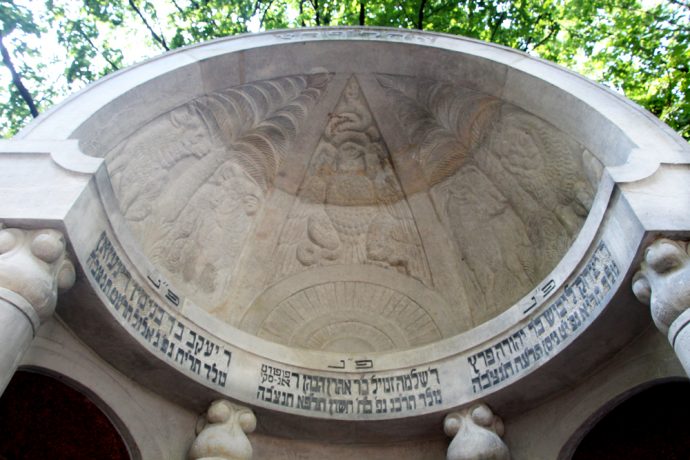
115, 419
608, 127
127, 406
598, 415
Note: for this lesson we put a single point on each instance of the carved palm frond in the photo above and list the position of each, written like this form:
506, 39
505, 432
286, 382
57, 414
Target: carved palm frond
445, 121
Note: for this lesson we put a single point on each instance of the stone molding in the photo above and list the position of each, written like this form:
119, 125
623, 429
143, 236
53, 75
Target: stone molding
476, 433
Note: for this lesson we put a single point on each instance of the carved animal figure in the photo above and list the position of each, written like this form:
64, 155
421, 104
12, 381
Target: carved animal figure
191, 181
350, 208
493, 167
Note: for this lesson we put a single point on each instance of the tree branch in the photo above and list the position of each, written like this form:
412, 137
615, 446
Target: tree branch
301, 13
545, 39
317, 16
93, 45
263, 16
420, 16
362, 13
178, 7
17, 79
497, 24
160, 40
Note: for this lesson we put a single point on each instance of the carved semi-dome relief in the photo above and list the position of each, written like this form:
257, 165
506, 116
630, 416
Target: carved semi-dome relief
350, 208
191, 182
506, 191
511, 189
349, 316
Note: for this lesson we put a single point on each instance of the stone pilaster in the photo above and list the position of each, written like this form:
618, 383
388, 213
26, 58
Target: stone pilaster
33, 267
221, 433
476, 433
663, 283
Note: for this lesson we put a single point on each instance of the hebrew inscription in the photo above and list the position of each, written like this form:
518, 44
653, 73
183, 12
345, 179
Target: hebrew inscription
543, 335
143, 316
370, 394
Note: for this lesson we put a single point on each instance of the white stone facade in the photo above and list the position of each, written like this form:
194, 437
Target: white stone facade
330, 241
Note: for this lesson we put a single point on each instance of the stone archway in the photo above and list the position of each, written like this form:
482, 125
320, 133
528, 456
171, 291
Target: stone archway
648, 422
44, 417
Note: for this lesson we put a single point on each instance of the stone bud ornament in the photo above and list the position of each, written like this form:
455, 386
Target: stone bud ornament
663, 281
221, 433
476, 433
34, 265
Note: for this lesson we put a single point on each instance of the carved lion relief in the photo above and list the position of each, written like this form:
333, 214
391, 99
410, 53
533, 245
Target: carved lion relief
508, 187
192, 181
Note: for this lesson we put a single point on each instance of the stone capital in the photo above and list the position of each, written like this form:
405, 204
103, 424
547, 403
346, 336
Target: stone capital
221, 433
476, 433
34, 265
663, 281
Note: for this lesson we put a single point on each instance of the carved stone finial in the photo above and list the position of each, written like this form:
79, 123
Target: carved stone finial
476, 435
663, 281
34, 265
221, 433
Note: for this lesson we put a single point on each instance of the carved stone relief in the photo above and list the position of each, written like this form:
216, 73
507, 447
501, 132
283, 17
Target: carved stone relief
510, 188
34, 264
192, 181
476, 433
663, 281
221, 433
506, 191
349, 317
350, 207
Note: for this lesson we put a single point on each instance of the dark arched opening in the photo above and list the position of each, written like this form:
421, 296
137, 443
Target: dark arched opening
42, 417
653, 423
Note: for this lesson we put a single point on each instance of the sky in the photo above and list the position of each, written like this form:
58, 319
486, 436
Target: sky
135, 48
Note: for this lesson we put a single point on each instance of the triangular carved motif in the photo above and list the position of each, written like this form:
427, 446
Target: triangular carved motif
350, 208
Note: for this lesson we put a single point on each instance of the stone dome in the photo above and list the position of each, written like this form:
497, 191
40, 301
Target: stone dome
367, 204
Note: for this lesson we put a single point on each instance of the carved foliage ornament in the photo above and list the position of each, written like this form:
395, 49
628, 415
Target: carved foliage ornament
476, 435
522, 181
34, 265
191, 182
663, 281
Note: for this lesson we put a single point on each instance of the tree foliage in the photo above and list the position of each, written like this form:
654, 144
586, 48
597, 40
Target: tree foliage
637, 47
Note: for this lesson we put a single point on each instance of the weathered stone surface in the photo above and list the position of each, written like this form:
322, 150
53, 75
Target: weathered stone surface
221, 433
33, 266
476, 433
199, 200
356, 237
663, 281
